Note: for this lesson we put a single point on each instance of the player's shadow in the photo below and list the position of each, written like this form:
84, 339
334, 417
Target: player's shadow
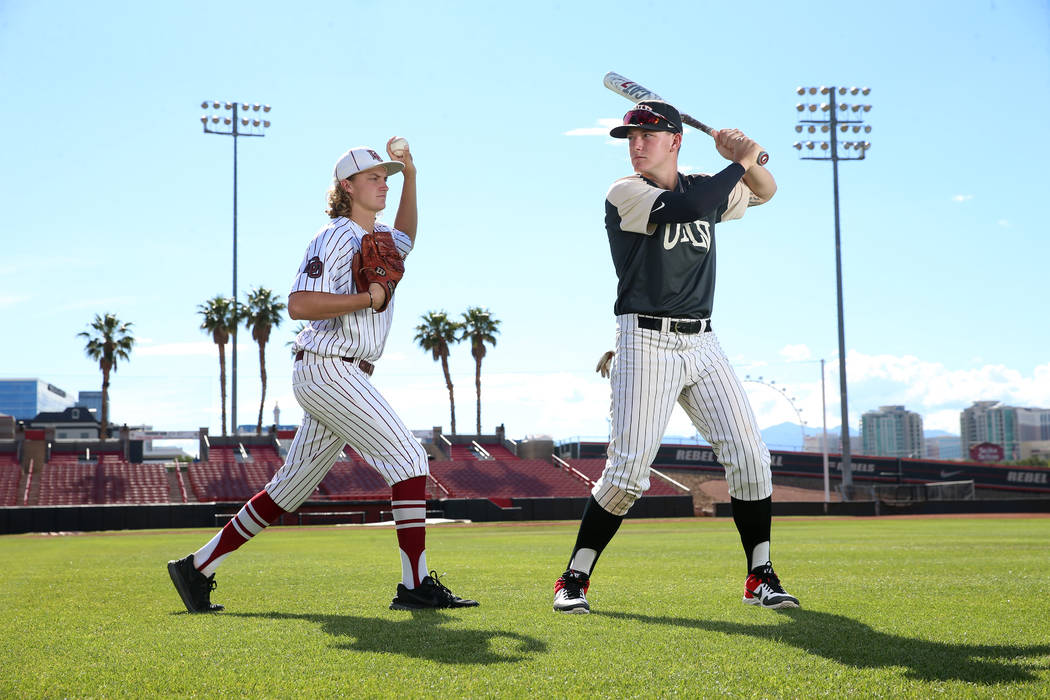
421, 635
855, 644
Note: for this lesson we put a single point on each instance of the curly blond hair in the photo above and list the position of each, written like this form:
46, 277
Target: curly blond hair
339, 201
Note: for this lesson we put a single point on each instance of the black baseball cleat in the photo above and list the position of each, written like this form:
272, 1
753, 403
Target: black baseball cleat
570, 593
429, 594
763, 588
194, 587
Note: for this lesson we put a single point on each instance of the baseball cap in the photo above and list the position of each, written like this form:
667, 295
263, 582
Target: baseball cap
360, 158
652, 115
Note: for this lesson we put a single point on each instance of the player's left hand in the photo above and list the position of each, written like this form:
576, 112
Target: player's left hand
733, 144
604, 363
380, 263
405, 157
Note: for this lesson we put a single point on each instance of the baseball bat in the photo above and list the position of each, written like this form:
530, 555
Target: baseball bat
636, 93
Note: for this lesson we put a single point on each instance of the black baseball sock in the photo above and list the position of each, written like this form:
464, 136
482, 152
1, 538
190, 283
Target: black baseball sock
753, 520
596, 530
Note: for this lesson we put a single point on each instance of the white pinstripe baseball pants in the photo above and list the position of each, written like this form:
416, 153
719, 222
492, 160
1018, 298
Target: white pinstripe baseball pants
650, 372
341, 407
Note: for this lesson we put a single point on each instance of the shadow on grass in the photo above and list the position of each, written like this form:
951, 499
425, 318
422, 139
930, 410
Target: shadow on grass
420, 636
855, 644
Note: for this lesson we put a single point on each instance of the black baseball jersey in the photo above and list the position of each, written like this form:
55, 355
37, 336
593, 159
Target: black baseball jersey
664, 269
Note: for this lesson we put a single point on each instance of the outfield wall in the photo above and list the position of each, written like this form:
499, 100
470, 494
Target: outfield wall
885, 470
167, 516
875, 508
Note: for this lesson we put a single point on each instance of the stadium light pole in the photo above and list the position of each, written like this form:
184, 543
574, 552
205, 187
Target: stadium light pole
824, 118
234, 125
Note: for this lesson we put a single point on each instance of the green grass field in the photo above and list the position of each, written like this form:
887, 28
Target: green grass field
891, 608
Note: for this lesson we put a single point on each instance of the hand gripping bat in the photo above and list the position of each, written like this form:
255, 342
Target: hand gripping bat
636, 93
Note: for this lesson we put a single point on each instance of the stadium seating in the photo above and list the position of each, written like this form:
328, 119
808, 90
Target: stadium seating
108, 479
592, 468
354, 479
227, 480
264, 455
461, 453
499, 451
517, 478
132, 483
65, 482
228, 454
10, 475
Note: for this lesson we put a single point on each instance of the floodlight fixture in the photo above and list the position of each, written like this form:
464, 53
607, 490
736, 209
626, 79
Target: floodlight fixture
231, 120
847, 117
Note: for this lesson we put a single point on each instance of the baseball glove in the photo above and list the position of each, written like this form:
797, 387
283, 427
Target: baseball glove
379, 263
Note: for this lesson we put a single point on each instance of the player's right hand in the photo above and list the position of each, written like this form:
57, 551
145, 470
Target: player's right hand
405, 157
734, 145
378, 292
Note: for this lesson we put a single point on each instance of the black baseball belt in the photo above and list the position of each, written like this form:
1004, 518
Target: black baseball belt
366, 366
655, 323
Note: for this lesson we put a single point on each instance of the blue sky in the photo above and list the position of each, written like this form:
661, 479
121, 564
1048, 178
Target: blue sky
113, 200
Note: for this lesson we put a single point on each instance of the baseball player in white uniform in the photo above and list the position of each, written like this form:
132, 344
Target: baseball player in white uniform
661, 228
335, 357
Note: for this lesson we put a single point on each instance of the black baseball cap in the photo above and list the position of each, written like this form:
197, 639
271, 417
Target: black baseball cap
652, 115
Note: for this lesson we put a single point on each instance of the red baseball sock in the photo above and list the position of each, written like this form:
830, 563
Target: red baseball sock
255, 515
408, 500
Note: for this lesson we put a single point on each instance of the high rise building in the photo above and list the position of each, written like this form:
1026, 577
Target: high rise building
1006, 426
892, 431
25, 398
944, 447
91, 400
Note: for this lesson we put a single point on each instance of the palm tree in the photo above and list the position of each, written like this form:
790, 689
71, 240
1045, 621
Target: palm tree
479, 327
435, 335
221, 319
108, 340
263, 312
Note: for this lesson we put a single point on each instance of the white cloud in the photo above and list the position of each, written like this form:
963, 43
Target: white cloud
1004, 223
962, 197
795, 353
12, 299
601, 130
947, 420
932, 384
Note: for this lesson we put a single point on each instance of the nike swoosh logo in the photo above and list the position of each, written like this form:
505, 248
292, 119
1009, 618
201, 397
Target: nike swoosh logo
656, 209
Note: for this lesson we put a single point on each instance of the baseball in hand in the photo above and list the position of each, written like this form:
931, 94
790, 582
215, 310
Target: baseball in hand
398, 146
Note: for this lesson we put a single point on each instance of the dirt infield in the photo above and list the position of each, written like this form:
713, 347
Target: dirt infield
709, 489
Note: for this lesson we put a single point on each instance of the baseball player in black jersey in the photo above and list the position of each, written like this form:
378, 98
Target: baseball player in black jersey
661, 227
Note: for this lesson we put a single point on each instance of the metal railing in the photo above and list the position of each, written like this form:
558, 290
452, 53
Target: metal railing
571, 470
29, 482
670, 480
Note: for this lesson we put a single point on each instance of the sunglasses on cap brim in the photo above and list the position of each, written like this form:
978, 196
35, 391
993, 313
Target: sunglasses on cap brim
643, 117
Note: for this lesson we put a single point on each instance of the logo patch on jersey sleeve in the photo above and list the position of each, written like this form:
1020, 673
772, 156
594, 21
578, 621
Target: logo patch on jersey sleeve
314, 267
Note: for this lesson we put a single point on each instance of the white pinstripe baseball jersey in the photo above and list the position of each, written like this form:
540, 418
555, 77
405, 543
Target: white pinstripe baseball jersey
326, 268
340, 404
